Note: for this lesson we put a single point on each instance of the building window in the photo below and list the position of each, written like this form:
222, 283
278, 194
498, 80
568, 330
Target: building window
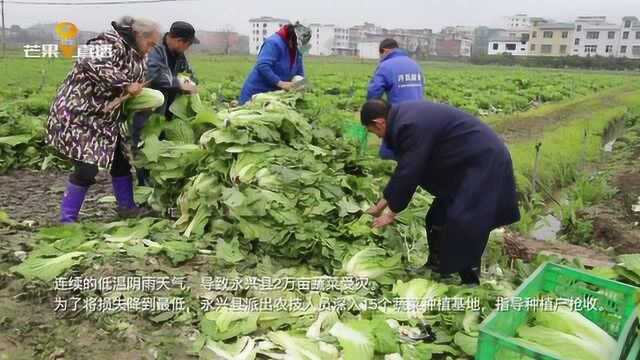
547, 34
565, 34
593, 34
590, 49
608, 49
495, 46
635, 50
510, 47
623, 49
264, 32
264, 25
637, 35
563, 49
612, 34
627, 24
533, 47
577, 42
534, 34
546, 49
579, 28
625, 35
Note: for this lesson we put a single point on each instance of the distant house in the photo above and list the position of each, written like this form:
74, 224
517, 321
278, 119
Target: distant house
508, 45
551, 39
222, 42
369, 50
595, 36
629, 44
260, 29
453, 47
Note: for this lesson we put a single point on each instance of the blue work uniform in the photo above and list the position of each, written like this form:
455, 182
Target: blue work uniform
273, 66
401, 78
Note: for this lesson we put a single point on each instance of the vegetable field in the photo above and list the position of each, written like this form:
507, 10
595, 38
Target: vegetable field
260, 247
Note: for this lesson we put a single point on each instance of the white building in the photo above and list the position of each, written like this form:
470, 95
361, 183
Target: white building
329, 40
594, 36
508, 45
518, 21
261, 28
629, 44
322, 39
368, 50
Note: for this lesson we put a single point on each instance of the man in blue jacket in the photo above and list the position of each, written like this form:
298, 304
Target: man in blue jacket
458, 159
279, 60
399, 77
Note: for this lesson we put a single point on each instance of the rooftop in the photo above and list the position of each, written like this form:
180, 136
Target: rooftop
268, 19
560, 26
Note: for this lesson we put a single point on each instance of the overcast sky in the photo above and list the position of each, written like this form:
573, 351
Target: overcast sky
214, 15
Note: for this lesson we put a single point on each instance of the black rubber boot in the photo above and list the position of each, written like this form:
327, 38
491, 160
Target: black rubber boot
470, 276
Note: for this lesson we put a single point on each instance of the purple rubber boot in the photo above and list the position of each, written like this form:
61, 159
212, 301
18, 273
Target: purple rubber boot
72, 203
123, 191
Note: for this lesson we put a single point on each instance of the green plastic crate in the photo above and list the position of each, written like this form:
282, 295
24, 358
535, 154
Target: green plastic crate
619, 317
353, 130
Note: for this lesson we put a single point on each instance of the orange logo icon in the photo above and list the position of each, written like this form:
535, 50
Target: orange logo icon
67, 35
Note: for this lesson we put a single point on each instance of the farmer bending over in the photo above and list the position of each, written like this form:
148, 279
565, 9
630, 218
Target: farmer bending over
279, 60
460, 161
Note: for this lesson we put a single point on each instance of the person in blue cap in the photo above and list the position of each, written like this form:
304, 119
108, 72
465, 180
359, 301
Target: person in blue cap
399, 77
279, 61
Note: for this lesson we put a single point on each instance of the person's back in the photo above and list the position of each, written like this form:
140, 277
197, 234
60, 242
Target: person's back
456, 139
402, 79
398, 77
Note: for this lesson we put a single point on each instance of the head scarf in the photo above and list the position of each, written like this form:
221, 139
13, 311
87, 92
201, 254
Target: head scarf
288, 34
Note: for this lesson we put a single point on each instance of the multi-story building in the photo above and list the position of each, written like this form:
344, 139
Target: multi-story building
629, 44
551, 39
481, 38
594, 36
518, 21
261, 28
508, 45
322, 39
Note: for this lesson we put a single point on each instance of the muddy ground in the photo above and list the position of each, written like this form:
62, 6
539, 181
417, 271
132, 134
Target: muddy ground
615, 223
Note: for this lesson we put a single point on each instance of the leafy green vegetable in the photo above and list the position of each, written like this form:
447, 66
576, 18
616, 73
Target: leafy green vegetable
355, 339
574, 323
373, 262
299, 347
226, 324
47, 269
565, 345
148, 99
245, 348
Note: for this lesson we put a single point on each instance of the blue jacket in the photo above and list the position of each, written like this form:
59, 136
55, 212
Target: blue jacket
272, 66
399, 77
464, 164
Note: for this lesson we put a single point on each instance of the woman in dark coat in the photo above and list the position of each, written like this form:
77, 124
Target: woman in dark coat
458, 159
83, 128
